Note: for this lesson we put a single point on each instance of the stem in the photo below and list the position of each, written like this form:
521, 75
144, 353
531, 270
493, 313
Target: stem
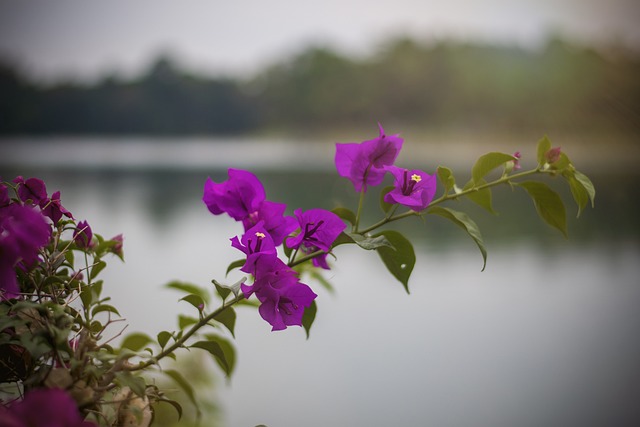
360, 203
180, 343
306, 258
445, 197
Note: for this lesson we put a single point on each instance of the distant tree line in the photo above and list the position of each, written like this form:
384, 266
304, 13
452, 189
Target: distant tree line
425, 85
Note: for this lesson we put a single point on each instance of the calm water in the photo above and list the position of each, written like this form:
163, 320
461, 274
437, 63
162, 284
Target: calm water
547, 335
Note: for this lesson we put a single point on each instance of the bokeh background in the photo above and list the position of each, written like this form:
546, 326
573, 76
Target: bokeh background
127, 107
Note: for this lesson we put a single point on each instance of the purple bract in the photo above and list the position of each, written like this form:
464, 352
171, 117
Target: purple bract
44, 407
319, 228
414, 189
240, 196
364, 163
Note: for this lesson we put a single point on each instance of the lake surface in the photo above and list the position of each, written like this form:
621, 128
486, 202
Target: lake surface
546, 335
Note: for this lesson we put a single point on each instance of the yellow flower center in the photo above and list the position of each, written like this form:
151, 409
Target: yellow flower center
260, 235
415, 177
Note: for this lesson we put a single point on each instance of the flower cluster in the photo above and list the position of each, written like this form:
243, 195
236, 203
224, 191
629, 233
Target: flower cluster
366, 164
277, 286
311, 233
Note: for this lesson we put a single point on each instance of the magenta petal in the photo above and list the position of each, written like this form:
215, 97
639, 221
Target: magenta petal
240, 196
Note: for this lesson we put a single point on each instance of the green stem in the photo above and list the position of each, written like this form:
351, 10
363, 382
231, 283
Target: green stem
306, 258
445, 197
360, 203
180, 342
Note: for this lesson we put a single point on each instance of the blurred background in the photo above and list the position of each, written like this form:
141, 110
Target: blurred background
127, 107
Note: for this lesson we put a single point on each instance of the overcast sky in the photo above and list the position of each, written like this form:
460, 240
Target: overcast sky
85, 39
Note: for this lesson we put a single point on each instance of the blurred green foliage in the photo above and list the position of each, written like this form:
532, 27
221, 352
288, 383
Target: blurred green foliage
447, 84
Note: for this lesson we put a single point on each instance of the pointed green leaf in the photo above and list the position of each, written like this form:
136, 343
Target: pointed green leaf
346, 214
548, 204
235, 264
173, 403
579, 193
309, 316
400, 258
104, 307
446, 178
481, 197
186, 321
136, 341
343, 238
463, 221
135, 383
222, 351
184, 385
228, 318
488, 162
370, 243
96, 269
163, 338
588, 186
194, 300
384, 205
190, 289
544, 145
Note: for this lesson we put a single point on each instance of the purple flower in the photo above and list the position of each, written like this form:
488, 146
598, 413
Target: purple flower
319, 228
32, 189
23, 231
82, 235
283, 298
53, 208
364, 163
240, 196
117, 246
275, 223
44, 407
254, 243
413, 188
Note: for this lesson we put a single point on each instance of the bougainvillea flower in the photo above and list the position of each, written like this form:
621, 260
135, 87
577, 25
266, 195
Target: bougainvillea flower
23, 231
239, 196
118, 244
282, 297
82, 235
53, 208
319, 228
32, 189
516, 162
285, 307
364, 163
52, 407
276, 224
255, 242
412, 188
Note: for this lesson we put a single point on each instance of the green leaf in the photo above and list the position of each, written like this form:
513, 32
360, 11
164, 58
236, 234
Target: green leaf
184, 385
163, 338
224, 290
235, 264
136, 384
318, 277
309, 316
173, 403
481, 197
588, 186
488, 162
186, 321
562, 163
228, 318
370, 243
578, 192
384, 205
346, 214
136, 341
400, 258
544, 145
548, 204
343, 238
189, 288
96, 269
446, 178
194, 300
463, 221
104, 307
222, 351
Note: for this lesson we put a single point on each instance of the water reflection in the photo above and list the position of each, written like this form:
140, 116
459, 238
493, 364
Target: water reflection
545, 336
